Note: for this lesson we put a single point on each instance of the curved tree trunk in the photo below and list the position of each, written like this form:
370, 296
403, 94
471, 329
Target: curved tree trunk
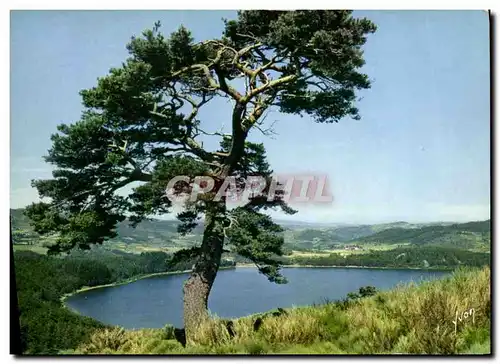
198, 286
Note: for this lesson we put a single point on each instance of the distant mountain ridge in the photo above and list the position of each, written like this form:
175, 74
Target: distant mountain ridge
426, 233
307, 235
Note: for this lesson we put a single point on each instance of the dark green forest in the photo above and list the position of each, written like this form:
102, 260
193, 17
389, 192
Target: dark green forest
413, 257
427, 234
46, 326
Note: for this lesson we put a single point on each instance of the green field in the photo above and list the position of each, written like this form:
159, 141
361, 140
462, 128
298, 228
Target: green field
33, 248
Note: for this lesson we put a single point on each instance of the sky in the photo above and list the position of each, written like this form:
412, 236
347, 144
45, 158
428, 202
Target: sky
420, 153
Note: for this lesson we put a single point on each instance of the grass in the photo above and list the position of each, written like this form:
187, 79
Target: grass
412, 319
137, 248
34, 248
366, 248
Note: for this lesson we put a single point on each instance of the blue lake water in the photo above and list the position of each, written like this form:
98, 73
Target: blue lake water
156, 301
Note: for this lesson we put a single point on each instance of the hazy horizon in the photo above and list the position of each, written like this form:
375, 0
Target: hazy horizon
291, 219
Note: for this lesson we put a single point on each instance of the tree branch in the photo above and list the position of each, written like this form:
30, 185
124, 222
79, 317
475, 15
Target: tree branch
271, 84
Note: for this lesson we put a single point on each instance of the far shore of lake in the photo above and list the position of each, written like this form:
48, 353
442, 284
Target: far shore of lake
126, 281
248, 265
238, 265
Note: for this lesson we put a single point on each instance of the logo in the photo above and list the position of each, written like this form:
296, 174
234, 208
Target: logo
291, 188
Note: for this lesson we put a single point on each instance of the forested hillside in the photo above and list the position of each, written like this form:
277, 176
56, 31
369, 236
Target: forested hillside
427, 257
467, 236
163, 233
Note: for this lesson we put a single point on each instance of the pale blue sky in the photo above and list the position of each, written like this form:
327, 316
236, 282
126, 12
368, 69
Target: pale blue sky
420, 152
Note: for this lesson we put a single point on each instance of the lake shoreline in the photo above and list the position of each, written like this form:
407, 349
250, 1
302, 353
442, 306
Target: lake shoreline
245, 265
238, 265
67, 305
65, 296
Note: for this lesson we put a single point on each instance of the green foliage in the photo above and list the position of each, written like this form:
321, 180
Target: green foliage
407, 257
107, 340
320, 235
362, 293
471, 236
47, 327
429, 234
322, 44
169, 332
256, 237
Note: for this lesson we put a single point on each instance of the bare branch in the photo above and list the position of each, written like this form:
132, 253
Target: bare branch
252, 37
271, 63
218, 133
271, 84
269, 132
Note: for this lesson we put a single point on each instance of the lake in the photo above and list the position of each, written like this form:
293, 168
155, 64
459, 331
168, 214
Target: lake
156, 301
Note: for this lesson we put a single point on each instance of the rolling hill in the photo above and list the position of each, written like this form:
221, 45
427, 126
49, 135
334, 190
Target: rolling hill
300, 236
470, 235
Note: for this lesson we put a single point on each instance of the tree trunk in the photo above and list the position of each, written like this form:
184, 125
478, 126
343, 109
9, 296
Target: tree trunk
197, 287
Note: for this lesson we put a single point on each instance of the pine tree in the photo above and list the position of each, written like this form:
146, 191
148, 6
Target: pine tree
141, 124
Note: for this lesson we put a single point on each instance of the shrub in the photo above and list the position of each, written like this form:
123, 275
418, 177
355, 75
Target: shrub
106, 341
296, 328
168, 332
